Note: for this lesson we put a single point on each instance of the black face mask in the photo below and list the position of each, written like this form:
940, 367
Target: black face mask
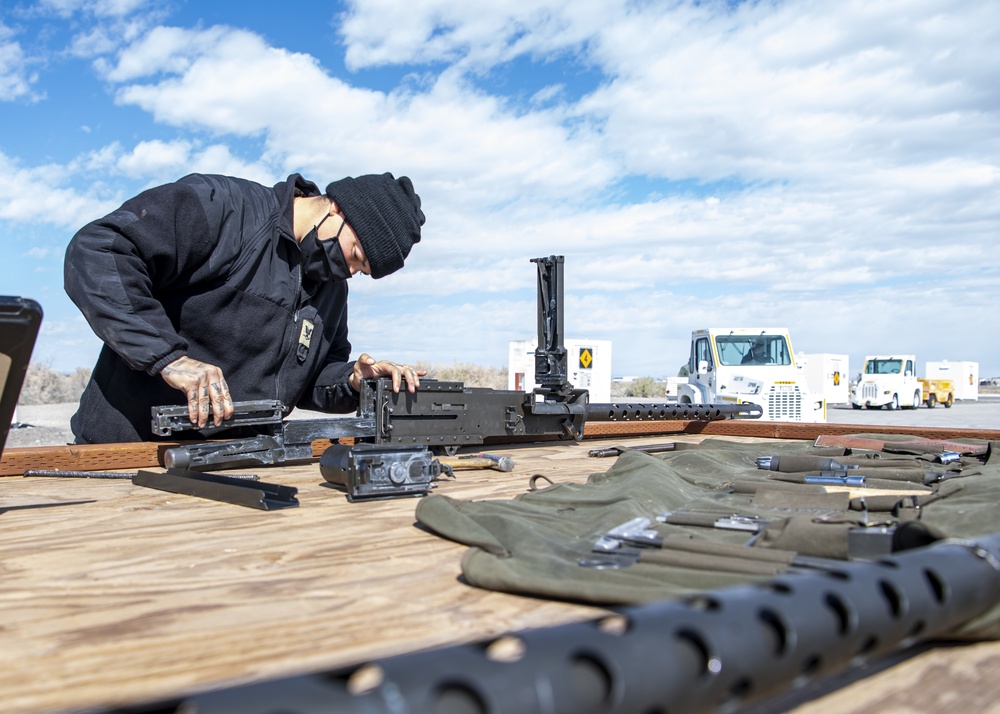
323, 260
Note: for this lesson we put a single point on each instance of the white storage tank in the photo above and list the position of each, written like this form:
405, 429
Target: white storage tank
827, 374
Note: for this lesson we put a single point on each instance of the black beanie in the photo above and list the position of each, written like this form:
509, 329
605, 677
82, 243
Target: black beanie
385, 213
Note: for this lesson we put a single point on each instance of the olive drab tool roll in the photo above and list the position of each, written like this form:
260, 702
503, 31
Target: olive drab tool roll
711, 515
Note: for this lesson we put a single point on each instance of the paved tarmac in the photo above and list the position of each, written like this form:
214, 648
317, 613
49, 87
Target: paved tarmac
983, 413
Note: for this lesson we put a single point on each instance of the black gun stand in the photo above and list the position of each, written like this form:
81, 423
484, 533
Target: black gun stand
555, 394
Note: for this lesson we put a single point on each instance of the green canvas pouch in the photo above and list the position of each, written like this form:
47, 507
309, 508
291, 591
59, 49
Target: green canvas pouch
533, 544
537, 543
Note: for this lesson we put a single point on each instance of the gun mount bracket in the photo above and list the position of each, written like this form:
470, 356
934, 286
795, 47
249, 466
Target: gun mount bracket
217, 487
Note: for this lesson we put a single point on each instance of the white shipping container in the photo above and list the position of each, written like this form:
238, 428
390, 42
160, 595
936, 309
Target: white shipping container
965, 375
588, 366
827, 374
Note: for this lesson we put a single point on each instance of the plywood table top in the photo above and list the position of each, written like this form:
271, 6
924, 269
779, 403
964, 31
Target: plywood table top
114, 594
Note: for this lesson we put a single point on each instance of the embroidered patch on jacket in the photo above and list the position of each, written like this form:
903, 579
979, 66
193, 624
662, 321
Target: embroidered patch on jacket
305, 336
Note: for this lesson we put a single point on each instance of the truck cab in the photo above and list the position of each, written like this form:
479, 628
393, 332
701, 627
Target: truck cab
888, 381
757, 365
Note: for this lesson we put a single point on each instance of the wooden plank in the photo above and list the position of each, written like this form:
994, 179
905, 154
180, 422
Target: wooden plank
114, 594
776, 429
95, 457
84, 457
875, 444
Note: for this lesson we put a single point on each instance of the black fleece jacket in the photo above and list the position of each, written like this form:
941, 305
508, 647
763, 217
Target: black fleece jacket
206, 267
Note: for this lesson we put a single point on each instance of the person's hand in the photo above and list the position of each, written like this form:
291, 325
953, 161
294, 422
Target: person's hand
366, 367
202, 384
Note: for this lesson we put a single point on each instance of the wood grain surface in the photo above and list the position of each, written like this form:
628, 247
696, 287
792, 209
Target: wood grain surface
96, 457
114, 594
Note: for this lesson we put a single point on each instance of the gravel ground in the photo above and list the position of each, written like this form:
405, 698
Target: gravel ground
48, 424
42, 425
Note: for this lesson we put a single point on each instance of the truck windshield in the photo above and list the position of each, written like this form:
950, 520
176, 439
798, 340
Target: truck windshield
753, 349
883, 366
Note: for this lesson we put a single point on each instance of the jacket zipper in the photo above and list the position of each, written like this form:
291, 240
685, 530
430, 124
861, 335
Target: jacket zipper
298, 294
294, 336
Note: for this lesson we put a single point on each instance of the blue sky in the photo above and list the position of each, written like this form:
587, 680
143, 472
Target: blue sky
830, 167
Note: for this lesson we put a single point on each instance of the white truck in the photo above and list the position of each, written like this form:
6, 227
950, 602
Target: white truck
743, 364
888, 381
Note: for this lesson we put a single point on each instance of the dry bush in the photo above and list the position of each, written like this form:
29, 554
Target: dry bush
45, 385
472, 375
646, 387
476, 375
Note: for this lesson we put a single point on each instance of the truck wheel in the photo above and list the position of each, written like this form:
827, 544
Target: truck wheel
949, 401
931, 401
856, 406
894, 404
916, 401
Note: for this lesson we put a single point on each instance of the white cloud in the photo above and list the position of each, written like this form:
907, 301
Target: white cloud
310, 121
153, 157
772, 163
98, 8
95, 42
803, 91
229, 82
157, 162
167, 50
40, 194
476, 34
16, 78
117, 8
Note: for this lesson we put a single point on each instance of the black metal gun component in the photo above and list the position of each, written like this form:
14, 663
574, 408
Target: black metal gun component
217, 487
444, 415
289, 440
369, 471
675, 412
167, 420
619, 450
718, 651
441, 414
551, 362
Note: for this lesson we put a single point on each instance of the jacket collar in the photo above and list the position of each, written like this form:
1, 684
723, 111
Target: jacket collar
285, 191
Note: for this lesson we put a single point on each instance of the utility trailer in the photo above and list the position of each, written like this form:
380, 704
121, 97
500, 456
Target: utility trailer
937, 391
